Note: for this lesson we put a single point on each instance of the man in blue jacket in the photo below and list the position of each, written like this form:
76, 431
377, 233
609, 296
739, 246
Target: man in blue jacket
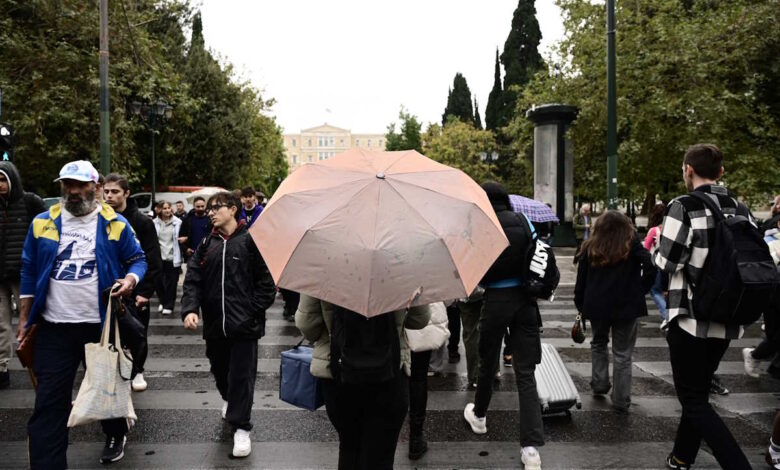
72, 253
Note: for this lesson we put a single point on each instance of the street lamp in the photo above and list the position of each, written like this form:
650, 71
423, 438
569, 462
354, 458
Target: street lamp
483, 156
154, 114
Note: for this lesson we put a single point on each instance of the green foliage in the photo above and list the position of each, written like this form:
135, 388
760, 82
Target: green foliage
50, 89
477, 119
493, 116
458, 144
688, 71
458, 101
409, 137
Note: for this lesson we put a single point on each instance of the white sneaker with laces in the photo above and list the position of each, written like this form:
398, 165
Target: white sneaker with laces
531, 459
139, 384
752, 364
242, 444
478, 425
167, 311
224, 410
160, 308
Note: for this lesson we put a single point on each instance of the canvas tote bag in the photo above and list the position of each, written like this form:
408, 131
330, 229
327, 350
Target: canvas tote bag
105, 390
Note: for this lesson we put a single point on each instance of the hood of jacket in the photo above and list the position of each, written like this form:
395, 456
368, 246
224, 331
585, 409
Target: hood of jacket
10, 172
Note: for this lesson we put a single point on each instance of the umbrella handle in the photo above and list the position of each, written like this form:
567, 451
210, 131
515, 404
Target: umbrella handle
415, 295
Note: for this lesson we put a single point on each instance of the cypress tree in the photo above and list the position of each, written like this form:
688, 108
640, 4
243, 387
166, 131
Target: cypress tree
459, 101
477, 119
521, 56
493, 109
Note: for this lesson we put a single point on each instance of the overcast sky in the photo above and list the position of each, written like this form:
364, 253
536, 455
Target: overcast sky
353, 63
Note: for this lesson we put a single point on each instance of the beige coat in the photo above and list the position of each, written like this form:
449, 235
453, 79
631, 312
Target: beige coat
315, 317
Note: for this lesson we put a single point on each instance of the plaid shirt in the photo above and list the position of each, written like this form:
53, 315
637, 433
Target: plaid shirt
682, 250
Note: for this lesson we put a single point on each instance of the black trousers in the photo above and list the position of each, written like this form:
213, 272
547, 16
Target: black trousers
59, 349
166, 284
453, 322
291, 300
234, 366
418, 388
368, 419
694, 361
139, 358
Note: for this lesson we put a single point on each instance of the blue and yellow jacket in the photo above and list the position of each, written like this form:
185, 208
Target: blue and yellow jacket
117, 253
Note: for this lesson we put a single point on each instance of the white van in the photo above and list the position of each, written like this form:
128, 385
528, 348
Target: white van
144, 200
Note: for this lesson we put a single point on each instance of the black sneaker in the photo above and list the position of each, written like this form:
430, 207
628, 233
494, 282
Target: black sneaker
114, 449
5, 380
674, 464
717, 387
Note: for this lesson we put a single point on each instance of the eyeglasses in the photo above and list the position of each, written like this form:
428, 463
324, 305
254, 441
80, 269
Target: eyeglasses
215, 207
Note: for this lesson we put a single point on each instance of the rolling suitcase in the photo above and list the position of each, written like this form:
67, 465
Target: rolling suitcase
557, 393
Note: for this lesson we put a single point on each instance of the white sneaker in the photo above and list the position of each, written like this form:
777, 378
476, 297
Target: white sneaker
139, 384
160, 309
167, 311
478, 425
224, 410
751, 364
242, 444
531, 459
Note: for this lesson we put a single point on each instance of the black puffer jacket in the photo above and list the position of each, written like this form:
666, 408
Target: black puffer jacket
513, 261
147, 236
228, 281
17, 209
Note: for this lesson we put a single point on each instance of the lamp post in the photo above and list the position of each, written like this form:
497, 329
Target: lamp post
153, 114
483, 156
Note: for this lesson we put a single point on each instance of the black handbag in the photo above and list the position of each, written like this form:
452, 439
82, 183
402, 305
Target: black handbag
578, 330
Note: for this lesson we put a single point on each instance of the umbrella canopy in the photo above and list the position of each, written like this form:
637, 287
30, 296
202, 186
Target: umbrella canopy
536, 211
372, 231
205, 193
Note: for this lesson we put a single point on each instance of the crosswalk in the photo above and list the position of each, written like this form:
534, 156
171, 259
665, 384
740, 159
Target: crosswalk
180, 427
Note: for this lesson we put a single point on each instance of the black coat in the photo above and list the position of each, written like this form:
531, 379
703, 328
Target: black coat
228, 281
617, 292
17, 210
147, 236
513, 261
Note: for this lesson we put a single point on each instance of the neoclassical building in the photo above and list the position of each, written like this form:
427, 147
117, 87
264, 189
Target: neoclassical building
325, 141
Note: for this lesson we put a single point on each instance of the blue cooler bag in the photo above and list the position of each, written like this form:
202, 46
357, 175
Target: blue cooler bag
298, 387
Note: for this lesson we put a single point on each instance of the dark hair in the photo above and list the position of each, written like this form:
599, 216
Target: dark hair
179, 202
163, 203
227, 198
120, 180
101, 179
656, 215
610, 239
159, 204
247, 191
198, 198
496, 193
705, 159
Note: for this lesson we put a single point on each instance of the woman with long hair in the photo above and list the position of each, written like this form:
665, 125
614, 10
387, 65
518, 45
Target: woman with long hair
654, 220
613, 277
167, 226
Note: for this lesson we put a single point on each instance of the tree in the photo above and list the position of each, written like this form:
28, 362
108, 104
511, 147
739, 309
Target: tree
458, 144
521, 57
477, 119
493, 117
409, 137
459, 101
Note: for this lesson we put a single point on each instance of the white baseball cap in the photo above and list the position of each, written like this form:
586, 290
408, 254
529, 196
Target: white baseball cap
80, 170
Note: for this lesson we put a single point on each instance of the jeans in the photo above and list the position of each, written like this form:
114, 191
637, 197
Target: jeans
623, 341
469, 314
59, 349
418, 390
694, 361
657, 293
7, 333
511, 308
368, 419
234, 366
166, 284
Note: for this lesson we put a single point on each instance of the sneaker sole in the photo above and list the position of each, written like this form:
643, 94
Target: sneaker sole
115, 459
241, 455
532, 466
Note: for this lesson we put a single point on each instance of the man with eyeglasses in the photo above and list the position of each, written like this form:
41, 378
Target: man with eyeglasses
228, 281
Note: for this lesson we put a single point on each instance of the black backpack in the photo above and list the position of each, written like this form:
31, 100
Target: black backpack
364, 350
542, 275
739, 278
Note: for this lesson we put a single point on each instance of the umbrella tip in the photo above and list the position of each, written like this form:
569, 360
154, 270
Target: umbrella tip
380, 175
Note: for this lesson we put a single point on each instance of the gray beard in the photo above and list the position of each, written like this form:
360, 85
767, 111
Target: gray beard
81, 208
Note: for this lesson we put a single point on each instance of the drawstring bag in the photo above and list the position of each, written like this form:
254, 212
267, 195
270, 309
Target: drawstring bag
578, 330
105, 390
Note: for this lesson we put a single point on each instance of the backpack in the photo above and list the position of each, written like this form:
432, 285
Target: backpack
364, 350
542, 275
738, 278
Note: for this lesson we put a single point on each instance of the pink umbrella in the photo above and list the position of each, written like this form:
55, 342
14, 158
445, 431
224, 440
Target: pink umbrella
374, 231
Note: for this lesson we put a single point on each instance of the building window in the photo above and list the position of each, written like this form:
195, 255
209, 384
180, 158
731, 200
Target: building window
311, 159
380, 142
332, 140
293, 142
309, 142
295, 159
357, 142
369, 142
342, 142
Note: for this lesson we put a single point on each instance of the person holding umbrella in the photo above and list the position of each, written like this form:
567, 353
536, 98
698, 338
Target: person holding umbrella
506, 304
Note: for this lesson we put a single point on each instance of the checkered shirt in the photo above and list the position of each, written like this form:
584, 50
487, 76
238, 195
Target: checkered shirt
682, 250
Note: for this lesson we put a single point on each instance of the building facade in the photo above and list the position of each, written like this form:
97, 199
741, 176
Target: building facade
323, 142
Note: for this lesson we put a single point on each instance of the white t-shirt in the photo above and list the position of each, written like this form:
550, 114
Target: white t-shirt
73, 284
